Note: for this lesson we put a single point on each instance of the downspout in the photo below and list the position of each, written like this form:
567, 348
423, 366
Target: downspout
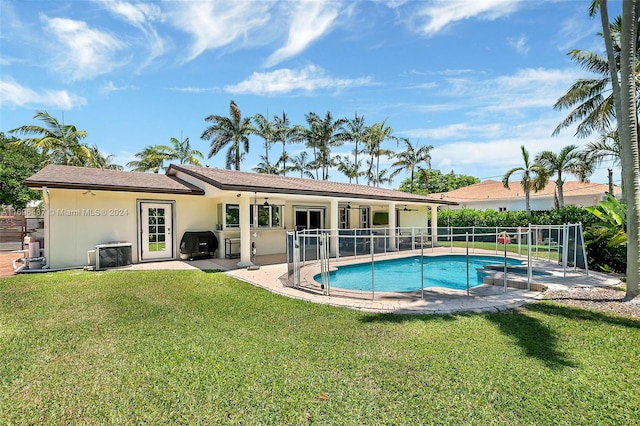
47, 226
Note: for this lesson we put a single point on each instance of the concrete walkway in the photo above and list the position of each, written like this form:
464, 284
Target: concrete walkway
485, 298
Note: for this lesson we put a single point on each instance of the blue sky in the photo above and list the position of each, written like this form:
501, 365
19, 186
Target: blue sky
474, 78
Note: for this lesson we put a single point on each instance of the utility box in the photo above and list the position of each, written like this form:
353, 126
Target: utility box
113, 254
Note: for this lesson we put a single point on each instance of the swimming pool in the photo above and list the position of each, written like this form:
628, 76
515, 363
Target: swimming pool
404, 274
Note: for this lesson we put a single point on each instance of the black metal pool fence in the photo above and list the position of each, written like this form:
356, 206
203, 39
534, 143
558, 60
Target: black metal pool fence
563, 243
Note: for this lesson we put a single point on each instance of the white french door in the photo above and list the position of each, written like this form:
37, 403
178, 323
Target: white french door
156, 221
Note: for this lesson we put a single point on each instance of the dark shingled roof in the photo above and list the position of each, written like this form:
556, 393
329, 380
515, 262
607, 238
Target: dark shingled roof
231, 180
68, 177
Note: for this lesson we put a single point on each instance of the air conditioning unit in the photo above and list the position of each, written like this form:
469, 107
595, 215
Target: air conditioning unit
113, 254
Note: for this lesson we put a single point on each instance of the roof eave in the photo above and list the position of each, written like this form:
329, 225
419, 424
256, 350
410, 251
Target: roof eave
268, 189
34, 184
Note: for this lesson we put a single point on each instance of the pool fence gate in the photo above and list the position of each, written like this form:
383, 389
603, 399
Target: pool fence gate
327, 247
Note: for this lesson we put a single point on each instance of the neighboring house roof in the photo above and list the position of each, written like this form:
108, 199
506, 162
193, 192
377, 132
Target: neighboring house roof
68, 177
494, 190
232, 180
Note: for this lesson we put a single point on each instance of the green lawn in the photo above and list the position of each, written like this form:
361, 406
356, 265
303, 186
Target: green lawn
543, 251
194, 347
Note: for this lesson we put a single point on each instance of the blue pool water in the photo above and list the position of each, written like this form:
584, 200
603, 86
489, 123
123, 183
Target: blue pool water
405, 274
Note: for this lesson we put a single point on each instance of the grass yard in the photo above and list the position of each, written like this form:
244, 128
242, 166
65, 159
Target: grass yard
540, 251
196, 347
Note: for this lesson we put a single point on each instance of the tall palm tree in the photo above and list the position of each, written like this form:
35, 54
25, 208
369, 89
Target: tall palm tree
284, 133
233, 130
99, 161
266, 130
568, 160
321, 135
534, 178
624, 86
356, 132
591, 98
411, 158
58, 143
300, 164
265, 167
181, 151
376, 135
348, 168
150, 159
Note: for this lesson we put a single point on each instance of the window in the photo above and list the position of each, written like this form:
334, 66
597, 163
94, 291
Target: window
502, 209
364, 217
268, 216
232, 215
343, 217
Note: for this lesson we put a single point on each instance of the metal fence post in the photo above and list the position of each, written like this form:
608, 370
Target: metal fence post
422, 265
467, 245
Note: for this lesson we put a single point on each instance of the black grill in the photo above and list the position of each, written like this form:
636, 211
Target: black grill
200, 244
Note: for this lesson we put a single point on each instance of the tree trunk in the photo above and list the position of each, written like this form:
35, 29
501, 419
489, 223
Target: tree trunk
527, 201
625, 102
559, 185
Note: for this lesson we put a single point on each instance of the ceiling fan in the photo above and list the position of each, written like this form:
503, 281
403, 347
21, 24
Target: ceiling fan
408, 210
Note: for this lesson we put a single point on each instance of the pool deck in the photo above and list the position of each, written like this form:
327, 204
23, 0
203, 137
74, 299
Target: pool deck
272, 276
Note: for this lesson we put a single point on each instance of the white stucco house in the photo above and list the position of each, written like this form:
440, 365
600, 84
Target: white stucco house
86, 207
491, 194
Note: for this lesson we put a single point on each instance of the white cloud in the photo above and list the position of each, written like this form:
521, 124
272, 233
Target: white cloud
526, 89
519, 44
141, 16
82, 52
309, 21
217, 24
441, 13
286, 80
457, 131
110, 86
14, 94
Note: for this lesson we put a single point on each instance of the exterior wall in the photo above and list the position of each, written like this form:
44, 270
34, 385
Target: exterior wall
77, 222
537, 203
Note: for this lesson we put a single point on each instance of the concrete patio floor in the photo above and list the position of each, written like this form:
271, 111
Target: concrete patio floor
272, 276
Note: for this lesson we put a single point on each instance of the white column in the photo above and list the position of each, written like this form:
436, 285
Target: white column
434, 223
392, 226
245, 231
333, 225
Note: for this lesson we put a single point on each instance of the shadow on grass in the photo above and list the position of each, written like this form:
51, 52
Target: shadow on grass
402, 318
536, 339
582, 314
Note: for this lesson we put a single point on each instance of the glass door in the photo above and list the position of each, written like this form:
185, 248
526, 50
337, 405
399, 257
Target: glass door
156, 220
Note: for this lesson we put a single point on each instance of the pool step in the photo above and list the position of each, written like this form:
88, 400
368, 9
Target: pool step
521, 285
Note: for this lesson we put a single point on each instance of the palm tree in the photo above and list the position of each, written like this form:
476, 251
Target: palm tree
99, 161
356, 132
569, 160
265, 167
265, 129
376, 135
182, 152
300, 164
348, 168
593, 109
150, 159
282, 132
625, 96
534, 178
322, 135
232, 130
59, 143
411, 158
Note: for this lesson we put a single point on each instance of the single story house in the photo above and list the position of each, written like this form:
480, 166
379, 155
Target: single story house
491, 194
86, 207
